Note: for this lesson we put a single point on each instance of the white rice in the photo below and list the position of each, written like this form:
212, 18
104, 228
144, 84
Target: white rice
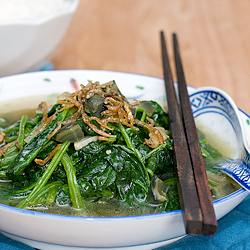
26, 10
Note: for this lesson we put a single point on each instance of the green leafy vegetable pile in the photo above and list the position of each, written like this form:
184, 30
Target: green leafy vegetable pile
91, 147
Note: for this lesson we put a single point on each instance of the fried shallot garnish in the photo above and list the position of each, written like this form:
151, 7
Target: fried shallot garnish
45, 121
5, 148
155, 136
87, 120
117, 110
102, 138
48, 157
2, 136
151, 121
70, 120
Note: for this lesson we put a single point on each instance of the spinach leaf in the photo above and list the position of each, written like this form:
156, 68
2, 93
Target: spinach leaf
9, 156
160, 158
110, 166
138, 139
31, 149
62, 196
132, 178
159, 116
173, 202
211, 156
85, 128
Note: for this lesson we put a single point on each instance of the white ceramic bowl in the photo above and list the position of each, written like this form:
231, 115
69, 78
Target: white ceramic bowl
47, 231
26, 45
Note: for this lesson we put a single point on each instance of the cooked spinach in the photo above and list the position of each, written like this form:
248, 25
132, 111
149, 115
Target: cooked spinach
115, 168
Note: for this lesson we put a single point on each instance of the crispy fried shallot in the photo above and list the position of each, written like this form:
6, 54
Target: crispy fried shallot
48, 157
151, 121
87, 120
118, 111
101, 123
73, 101
2, 135
102, 138
70, 120
155, 136
45, 121
129, 113
5, 148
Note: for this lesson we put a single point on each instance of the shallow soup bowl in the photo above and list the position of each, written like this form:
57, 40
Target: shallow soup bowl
49, 231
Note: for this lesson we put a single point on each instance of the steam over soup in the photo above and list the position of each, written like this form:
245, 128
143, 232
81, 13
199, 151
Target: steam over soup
93, 153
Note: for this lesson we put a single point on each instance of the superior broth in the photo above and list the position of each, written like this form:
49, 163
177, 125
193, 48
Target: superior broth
27, 106
12, 111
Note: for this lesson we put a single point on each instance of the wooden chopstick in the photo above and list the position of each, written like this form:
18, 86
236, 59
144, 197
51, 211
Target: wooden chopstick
196, 220
204, 193
186, 184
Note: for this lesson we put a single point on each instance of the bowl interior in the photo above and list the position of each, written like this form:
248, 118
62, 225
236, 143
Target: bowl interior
131, 231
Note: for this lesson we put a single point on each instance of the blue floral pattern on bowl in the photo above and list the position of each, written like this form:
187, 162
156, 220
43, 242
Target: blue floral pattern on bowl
210, 105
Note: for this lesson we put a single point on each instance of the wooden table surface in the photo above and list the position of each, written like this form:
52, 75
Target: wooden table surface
214, 39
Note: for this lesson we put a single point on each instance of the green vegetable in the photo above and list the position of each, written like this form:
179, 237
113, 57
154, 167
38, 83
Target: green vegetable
74, 189
159, 116
117, 169
30, 151
45, 177
94, 105
21, 134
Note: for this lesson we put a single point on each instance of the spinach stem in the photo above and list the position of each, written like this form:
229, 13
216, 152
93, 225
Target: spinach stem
153, 151
10, 138
21, 134
2, 174
32, 148
8, 130
171, 181
131, 146
144, 114
127, 139
46, 190
45, 176
74, 190
205, 153
51, 195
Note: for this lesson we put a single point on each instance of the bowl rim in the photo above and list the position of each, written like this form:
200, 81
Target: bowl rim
120, 218
73, 4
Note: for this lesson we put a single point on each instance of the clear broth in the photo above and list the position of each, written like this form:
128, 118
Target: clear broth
11, 112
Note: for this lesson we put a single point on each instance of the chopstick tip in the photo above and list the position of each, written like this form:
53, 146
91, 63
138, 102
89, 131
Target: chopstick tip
162, 33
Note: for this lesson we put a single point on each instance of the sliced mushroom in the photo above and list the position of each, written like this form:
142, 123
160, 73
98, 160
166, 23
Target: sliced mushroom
163, 132
157, 191
71, 132
147, 105
94, 105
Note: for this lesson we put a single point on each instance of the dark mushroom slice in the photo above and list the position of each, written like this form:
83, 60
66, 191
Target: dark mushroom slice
71, 132
157, 191
94, 105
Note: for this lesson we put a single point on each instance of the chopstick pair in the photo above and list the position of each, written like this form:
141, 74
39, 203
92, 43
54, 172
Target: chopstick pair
195, 196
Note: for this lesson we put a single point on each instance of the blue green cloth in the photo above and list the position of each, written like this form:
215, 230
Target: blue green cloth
8, 244
47, 66
233, 233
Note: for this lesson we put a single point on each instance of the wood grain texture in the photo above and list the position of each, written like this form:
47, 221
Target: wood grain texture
189, 199
203, 190
124, 36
